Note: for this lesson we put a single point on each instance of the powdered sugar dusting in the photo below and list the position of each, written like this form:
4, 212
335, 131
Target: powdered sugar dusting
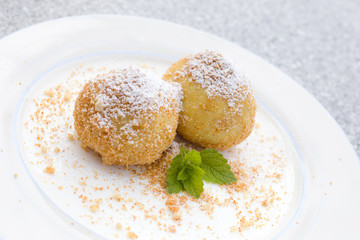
217, 75
130, 93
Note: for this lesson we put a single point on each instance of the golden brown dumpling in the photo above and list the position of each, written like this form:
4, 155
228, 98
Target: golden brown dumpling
128, 116
218, 107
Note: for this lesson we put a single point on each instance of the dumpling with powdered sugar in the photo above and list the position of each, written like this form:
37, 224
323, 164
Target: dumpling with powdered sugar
129, 116
218, 106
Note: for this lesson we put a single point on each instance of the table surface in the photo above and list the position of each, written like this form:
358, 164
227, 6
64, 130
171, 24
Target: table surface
317, 42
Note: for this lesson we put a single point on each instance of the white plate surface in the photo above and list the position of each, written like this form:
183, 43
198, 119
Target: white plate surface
325, 178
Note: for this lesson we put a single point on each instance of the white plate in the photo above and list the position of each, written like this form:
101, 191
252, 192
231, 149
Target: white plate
326, 169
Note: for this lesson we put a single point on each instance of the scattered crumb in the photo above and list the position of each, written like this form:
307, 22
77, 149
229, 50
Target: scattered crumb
172, 229
44, 149
56, 150
132, 235
49, 93
71, 137
83, 182
117, 197
49, 170
67, 96
15, 175
96, 174
94, 207
177, 215
119, 226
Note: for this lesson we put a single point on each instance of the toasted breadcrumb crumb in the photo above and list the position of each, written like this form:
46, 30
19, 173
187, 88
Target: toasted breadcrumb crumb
119, 226
49, 170
172, 229
117, 197
44, 149
49, 93
71, 137
94, 207
132, 235
177, 216
67, 96
96, 174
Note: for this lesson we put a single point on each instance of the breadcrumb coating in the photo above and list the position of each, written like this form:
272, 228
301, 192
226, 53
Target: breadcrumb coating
218, 108
128, 116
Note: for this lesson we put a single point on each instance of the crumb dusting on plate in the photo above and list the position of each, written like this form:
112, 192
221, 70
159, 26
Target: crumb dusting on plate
134, 199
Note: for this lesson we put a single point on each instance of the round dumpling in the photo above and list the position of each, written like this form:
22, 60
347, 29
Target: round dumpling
128, 116
218, 106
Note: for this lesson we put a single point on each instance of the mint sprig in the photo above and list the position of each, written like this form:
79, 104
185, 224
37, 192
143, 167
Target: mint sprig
189, 168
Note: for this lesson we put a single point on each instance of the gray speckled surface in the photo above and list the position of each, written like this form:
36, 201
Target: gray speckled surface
315, 42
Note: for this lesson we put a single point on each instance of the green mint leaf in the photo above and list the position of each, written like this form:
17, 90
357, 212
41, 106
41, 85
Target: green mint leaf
183, 174
183, 150
173, 184
216, 168
188, 170
193, 156
194, 169
194, 185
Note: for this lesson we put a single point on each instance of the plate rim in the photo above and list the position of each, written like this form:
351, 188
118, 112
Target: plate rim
313, 99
